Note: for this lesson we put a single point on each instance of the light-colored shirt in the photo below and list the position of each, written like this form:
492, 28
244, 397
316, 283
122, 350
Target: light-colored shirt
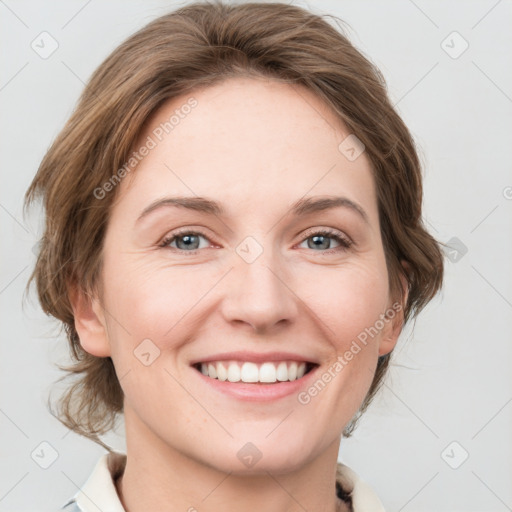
99, 493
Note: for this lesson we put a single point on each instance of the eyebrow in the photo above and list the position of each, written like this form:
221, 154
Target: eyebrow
300, 208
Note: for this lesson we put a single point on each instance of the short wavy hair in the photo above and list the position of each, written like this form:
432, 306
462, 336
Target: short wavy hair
199, 45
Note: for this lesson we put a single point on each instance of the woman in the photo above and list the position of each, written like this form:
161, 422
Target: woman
233, 244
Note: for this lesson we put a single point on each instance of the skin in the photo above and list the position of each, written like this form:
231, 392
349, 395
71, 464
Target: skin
255, 146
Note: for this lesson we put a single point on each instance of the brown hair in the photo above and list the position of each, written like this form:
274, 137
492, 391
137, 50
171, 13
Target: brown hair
196, 46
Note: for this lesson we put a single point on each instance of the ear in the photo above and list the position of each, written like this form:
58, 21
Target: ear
90, 323
394, 319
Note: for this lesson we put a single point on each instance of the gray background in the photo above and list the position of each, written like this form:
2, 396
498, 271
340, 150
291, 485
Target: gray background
451, 380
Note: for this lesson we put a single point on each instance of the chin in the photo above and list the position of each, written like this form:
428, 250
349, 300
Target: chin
253, 458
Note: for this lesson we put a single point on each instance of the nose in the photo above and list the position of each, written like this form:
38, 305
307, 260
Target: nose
259, 294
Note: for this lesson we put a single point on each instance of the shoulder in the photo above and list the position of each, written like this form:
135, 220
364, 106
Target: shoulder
99, 492
363, 497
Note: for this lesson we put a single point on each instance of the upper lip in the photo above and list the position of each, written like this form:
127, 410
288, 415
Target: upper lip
254, 357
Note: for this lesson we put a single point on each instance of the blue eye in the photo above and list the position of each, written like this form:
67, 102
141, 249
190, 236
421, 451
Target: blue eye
322, 240
186, 241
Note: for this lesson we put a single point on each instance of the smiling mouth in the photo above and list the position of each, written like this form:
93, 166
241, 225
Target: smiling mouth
256, 373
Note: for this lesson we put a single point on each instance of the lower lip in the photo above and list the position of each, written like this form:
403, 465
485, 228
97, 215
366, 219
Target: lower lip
258, 392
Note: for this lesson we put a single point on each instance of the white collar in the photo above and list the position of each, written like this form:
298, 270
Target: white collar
99, 493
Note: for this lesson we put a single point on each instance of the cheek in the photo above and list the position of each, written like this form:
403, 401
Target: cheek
154, 301
349, 301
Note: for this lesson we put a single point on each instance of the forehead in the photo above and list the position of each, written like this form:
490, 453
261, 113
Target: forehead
247, 141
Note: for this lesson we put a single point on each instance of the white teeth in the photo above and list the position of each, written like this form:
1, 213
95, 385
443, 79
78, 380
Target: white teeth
268, 372
249, 373
222, 373
282, 372
212, 372
292, 371
233, 372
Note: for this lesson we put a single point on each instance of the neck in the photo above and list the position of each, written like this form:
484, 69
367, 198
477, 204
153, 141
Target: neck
179, 481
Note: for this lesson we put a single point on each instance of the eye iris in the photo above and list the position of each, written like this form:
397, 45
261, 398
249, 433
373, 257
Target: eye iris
189, 242
324, 245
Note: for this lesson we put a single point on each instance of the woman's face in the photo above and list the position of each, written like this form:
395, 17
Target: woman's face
214, 252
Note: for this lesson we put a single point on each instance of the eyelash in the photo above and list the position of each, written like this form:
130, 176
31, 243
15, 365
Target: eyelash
345, 243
